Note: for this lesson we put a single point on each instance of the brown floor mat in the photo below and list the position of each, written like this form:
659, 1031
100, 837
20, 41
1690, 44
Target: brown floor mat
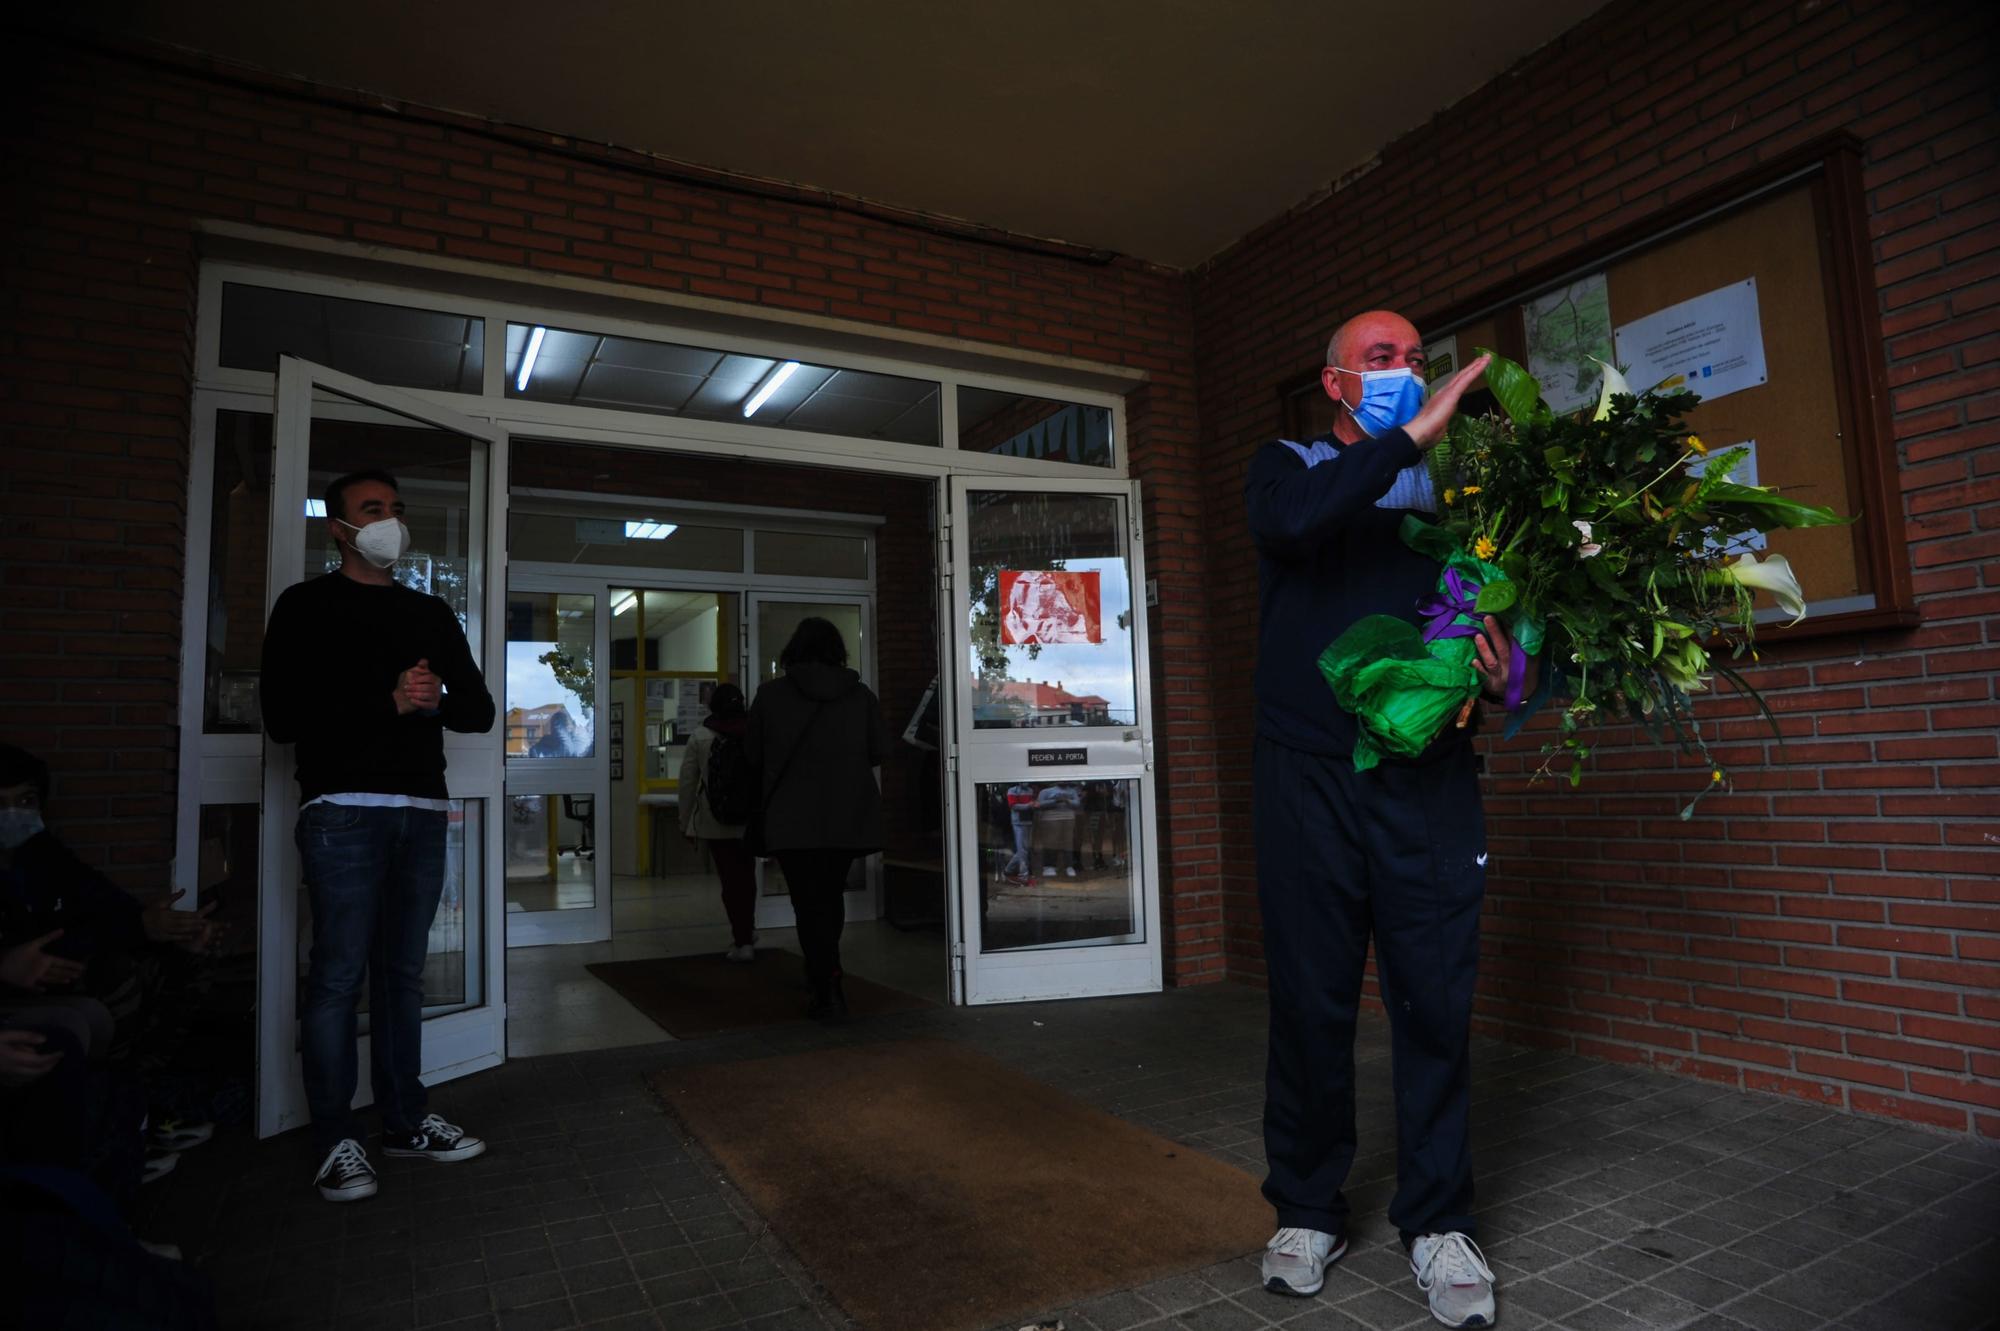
700, 995
930, 1188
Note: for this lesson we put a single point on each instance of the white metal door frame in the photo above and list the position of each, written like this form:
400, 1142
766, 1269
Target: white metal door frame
459, 1042
975, 757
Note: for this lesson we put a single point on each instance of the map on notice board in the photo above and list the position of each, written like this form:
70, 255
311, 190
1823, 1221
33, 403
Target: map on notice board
1565, 329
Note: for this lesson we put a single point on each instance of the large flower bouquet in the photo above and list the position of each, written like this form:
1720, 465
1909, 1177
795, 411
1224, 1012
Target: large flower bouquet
1608, 541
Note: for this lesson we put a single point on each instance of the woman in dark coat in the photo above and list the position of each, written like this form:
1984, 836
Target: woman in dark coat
815, 737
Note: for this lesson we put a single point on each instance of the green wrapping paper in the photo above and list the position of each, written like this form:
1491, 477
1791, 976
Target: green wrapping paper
1403, 689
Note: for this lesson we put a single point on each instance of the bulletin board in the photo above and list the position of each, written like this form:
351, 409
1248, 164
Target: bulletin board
1794, 226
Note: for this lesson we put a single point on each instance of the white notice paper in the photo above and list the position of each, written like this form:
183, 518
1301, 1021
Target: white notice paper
1744, 473
1715, 340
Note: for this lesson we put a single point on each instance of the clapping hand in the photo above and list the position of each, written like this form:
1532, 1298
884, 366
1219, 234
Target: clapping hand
27, 966
417, 689
190, 930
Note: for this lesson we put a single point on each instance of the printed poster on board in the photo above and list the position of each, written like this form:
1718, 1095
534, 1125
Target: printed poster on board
1716, 340
1049, 606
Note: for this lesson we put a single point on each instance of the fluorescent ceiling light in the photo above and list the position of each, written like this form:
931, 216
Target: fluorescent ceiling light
315, 508
528, 358
650, 531
623, 602
771, 384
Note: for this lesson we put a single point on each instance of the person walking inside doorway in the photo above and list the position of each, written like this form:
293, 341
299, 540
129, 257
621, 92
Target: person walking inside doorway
815, 738
706, 767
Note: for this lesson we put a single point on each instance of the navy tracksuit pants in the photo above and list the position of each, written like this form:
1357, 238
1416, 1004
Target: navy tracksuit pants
1398, 853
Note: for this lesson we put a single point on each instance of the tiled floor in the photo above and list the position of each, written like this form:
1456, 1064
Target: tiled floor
1611, 1198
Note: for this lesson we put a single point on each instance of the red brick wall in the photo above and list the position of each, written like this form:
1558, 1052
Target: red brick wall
111, 162
1830, 930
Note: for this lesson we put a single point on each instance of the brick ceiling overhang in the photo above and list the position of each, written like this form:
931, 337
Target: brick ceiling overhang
1164, 131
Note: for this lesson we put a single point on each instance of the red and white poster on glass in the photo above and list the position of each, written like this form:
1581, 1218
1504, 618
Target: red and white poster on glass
1049, 606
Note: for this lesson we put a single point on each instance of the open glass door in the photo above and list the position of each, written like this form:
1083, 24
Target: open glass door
772, 618
558, 888
1057, 893
451, 469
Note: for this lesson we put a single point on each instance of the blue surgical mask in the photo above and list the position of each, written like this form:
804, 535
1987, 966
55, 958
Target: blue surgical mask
1389, 399
17, 826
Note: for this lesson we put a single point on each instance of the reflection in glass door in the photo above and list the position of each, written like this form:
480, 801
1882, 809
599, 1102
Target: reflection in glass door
557, 889
1057, 894
327, 424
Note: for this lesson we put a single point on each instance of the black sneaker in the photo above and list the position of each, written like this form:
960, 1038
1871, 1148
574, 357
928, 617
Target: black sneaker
433, 1139
344, 1176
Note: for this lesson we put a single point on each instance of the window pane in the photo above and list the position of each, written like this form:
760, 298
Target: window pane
385, 344
238, 552
1056, 864
811, 555
1051, 612
1015, 425
551, 849
551, 675
627, 540
670, 379
778, 620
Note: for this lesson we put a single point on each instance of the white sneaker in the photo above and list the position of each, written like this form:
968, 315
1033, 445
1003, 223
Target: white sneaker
1070, 872
743, 952
1295, 1260
344, 1176
1049, 872
1453, 1272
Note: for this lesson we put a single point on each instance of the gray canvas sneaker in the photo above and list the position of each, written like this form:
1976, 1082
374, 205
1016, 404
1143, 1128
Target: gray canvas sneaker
1453, 1273
1295, 1260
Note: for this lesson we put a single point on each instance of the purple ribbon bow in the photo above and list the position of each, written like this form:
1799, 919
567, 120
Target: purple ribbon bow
1441, 611
1457, 598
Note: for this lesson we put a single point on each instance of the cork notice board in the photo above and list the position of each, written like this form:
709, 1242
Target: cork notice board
1795, 227
1794, 415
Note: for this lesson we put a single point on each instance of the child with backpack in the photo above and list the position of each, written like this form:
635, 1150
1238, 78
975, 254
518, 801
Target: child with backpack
716, 795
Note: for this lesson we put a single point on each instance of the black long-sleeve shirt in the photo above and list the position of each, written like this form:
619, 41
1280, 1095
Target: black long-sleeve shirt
333, 652
1328, 555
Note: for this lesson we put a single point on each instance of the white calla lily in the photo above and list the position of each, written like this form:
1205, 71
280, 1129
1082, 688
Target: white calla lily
1773, 575
1614, 382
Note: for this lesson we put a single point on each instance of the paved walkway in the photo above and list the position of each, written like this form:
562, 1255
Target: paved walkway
1611, 1198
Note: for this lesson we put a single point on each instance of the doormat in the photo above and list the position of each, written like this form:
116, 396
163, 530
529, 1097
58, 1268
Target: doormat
701, 995
930, 1188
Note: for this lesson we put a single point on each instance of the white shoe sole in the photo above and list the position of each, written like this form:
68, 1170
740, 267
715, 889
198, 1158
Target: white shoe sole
352, 1193
450, 1157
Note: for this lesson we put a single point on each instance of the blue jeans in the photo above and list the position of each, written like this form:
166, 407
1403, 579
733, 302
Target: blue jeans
374, 877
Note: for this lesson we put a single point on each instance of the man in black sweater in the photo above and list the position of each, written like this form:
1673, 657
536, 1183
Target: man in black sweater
365, 676
1397, 851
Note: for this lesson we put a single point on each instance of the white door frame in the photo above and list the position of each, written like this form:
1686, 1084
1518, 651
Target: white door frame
458, 1042
976, 757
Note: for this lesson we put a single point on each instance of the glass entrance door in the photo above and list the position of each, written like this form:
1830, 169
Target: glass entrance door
327, 424
1057, 893
558, 888
773, 618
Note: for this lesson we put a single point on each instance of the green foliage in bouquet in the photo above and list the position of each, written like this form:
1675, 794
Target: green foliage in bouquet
1622, 539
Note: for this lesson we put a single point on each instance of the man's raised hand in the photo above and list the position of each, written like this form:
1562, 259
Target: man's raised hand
1430, 423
